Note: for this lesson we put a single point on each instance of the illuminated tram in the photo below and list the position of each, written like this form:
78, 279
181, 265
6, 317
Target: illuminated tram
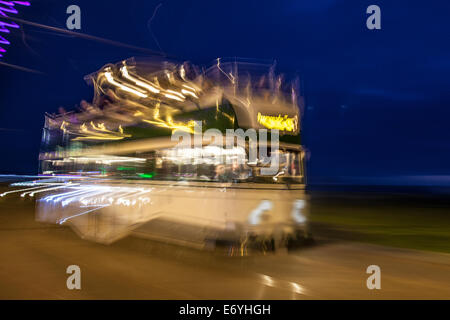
130, 176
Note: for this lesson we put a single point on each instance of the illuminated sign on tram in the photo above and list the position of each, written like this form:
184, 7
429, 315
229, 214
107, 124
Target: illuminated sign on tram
282, 123
7, 7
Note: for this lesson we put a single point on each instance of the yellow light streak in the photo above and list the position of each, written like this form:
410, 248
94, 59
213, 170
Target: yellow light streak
282, 123
139, 82
190, 93
111, 80
63, 126
174, 97
97, 138
189, 127
175, 93
230, 78
189, 87
104, 133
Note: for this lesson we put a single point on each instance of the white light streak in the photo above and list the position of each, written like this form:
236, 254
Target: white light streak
138, 82
111, 80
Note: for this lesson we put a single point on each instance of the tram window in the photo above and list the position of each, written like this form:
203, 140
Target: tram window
290, 168
291, 163
202, 164
218, 165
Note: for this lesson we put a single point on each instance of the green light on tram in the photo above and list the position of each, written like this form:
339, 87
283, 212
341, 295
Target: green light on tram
126, 168
146, 175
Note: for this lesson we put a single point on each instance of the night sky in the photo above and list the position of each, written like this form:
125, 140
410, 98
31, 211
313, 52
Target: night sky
377, 101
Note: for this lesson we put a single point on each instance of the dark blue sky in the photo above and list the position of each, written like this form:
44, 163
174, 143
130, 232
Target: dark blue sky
377, 101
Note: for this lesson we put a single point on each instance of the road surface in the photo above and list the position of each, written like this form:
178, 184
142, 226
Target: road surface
34, 258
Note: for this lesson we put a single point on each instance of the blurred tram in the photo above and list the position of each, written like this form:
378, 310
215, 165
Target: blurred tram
132, 177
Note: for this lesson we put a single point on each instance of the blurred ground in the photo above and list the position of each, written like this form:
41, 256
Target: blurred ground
34, 258
406, 220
